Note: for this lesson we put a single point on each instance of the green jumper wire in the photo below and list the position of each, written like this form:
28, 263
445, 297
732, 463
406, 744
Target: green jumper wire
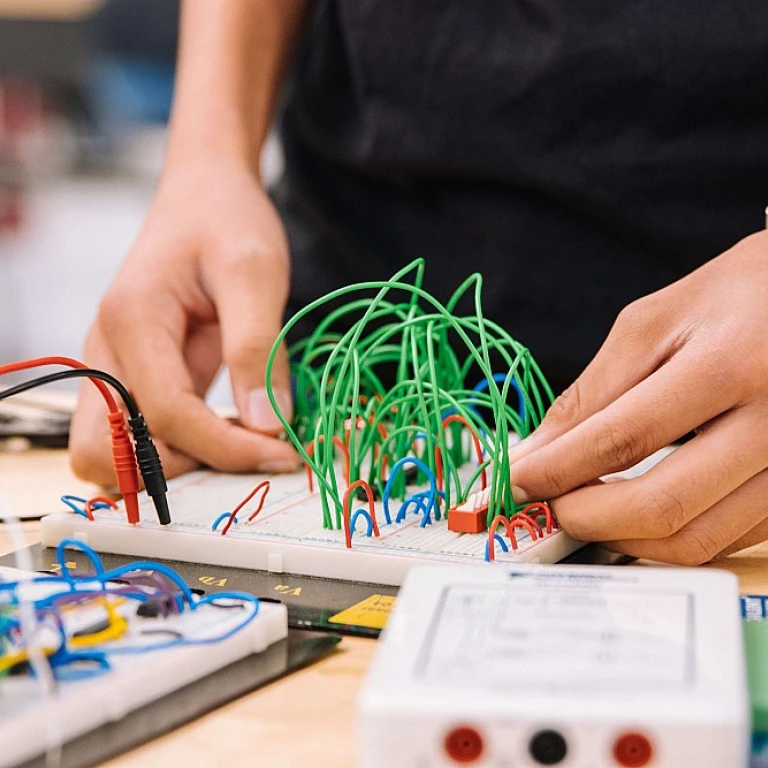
439, 357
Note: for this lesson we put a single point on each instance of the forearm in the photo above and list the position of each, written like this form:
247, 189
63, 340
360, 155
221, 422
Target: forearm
232, 58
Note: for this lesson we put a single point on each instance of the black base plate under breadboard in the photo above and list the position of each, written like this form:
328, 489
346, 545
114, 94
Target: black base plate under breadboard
299, 649
313, 603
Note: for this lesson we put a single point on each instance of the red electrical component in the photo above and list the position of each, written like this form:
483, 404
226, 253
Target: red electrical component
123, 454
471, 516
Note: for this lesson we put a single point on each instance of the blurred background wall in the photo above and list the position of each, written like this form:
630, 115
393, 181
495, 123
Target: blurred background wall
85, 91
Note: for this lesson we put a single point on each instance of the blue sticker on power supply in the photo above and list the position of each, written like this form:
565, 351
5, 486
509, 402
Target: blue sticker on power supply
754, 607
759, 750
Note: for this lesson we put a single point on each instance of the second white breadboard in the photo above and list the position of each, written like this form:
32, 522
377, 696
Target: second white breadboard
32, 724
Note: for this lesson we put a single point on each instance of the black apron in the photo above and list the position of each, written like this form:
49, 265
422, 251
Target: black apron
579, 153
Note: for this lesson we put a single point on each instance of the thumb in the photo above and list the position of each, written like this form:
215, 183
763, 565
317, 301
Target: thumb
250, 301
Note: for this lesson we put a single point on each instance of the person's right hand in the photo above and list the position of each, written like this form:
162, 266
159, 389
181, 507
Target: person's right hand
205, 284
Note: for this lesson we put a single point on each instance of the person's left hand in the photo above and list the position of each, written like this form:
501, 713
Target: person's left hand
693, 356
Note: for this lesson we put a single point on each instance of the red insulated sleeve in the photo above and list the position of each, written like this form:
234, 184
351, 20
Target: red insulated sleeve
124, 460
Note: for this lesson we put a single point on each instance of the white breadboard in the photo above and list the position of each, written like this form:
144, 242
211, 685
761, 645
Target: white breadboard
31, 724
288, 537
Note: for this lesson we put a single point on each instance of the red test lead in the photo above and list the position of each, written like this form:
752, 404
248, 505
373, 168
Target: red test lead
126, 459
123, 457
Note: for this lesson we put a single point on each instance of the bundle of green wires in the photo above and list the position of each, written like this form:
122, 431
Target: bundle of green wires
442, 362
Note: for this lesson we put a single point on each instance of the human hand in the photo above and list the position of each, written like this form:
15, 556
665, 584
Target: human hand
693, 356
205, 284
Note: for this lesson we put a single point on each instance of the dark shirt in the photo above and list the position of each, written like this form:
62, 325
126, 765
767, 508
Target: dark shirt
579, 153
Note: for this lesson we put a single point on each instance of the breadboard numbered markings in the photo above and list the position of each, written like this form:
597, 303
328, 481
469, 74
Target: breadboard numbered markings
285, 589
56, 567
213, 581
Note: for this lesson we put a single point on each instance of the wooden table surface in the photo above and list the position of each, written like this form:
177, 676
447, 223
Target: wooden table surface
307, 718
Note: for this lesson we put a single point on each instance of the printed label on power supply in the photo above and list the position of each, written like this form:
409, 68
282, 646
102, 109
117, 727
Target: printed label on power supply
564, 637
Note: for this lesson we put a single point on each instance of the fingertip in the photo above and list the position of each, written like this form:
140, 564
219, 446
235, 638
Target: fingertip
517, 467
569, 510
519, 449
520, 495
531, 479
258, 413
279, 465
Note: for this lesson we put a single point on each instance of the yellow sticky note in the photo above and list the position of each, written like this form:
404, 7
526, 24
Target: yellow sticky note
372, 612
